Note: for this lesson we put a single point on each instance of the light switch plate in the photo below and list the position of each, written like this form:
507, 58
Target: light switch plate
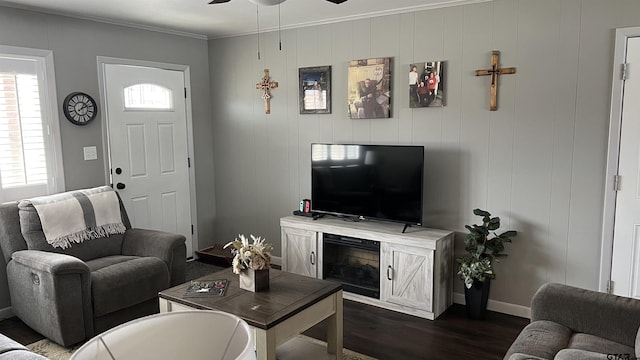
90, 153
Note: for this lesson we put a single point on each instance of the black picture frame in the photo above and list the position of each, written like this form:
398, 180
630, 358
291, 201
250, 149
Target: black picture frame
315, 89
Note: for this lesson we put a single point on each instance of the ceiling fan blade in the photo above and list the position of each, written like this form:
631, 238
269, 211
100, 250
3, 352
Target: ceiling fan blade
337, 1
218, 1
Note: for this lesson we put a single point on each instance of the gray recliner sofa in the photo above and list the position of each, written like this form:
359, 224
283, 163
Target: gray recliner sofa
12, 350
569, 323
69, 295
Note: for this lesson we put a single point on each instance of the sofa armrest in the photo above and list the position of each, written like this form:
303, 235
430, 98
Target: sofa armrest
169, 247
49, 262
11, 349
8, 344
51, 293
609, 316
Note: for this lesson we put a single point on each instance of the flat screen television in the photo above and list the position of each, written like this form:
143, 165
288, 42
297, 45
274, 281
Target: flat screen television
382, 182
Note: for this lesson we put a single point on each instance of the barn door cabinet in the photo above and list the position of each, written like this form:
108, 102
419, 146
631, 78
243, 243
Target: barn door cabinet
416, 267
300, 251
407, 276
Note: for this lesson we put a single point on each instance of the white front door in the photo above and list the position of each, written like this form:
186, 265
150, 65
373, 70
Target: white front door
625, 266
146, 116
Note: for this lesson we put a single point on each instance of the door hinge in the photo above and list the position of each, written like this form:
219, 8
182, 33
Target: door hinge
610, 286
616, 182
624, 71
185, 93
191, 229
188, 162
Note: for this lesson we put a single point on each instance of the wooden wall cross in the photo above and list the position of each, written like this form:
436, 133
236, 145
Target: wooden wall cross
495, 71
265, 85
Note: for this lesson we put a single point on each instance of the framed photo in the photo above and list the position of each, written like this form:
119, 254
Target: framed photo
369, 93
315, 90
426, 84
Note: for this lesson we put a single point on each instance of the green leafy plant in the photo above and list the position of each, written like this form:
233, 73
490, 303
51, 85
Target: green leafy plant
484, 246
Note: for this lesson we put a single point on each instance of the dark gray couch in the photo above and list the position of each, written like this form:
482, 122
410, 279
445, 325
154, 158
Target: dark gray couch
73, 294
569, 323
12, 350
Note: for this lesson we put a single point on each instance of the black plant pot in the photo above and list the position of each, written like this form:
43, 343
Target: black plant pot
476, 299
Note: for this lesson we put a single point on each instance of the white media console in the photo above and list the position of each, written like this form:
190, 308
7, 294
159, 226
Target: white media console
415, 267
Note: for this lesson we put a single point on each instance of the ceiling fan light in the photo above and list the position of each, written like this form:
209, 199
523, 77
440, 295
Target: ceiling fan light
267, 2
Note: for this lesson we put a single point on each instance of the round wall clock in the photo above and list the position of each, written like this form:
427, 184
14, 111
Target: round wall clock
79, 108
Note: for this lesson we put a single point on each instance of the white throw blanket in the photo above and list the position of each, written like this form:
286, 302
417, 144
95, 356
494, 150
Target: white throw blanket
79, 215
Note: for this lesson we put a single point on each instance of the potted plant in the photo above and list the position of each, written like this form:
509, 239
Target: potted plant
483, 246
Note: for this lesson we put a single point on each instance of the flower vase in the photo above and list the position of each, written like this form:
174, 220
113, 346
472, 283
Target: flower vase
254, 280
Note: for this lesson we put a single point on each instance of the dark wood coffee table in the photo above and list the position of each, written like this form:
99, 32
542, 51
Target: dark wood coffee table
293, 304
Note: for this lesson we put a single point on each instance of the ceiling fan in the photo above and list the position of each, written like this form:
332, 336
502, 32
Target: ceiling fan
269, 2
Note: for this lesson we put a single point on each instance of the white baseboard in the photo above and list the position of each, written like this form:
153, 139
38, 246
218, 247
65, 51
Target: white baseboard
499, 306
6, 313
276, 260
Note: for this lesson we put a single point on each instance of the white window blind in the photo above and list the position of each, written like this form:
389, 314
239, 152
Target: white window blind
30, 152
22, 148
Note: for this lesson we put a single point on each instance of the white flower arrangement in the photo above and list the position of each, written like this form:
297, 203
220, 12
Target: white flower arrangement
256, 256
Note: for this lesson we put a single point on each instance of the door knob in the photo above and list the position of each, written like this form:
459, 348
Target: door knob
120, 186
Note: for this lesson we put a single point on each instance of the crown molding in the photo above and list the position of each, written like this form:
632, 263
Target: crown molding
440, 5
146, 27
107, 21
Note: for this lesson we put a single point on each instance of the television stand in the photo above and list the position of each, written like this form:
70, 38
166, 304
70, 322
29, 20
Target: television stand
404, 229
349, 218
415, 269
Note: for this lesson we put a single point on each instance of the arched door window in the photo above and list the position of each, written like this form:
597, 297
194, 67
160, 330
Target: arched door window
148, 97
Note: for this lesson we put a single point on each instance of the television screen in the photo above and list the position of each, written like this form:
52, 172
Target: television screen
368, 181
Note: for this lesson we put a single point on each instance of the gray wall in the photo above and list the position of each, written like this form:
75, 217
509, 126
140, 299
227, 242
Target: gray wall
76, 44
538, 162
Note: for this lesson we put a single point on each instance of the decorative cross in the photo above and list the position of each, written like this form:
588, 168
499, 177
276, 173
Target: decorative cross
265, 85
495, 71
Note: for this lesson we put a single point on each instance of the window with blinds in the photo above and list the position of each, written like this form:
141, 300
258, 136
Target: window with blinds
30, 152
22, 152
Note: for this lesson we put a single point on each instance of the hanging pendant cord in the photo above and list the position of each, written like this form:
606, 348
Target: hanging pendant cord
258, 28
279, 32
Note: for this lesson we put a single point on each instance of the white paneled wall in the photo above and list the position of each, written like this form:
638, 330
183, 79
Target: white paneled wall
538, 162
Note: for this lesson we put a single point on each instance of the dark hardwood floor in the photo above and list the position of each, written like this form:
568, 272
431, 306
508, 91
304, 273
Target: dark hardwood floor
18, 331
385, 334
390, 335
